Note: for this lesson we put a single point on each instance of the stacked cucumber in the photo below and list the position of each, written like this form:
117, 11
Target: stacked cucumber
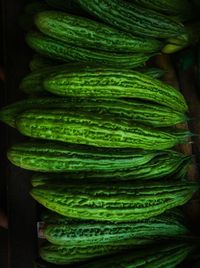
101, 132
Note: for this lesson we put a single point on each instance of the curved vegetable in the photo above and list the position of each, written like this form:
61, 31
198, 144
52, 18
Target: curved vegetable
118, 202
114, 83
56, 49
132, 18
86, 33
138, 111
95, 130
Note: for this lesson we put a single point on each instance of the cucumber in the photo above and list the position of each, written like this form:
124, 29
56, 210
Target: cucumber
114, 83
119, 202
146, 113
95, 130
86, 33
56, 49
132, 18
162, 255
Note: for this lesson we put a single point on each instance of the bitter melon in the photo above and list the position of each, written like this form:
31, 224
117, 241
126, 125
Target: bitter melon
137, 111
95, 130
164, 255
56, 49
119, 202
86, 33
114, 83
68, 232
132, 18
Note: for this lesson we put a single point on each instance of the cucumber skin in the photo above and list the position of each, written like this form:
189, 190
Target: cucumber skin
165, 255
132, 18
114, 83
82, 32
55, 49
68, 232
146, 113
95, 130
96, 164
114, 202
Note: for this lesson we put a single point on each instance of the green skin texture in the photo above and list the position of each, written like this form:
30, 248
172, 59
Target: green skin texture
171, 7
53, 157
74, 254
154, 256
86, 33
86, 233
87, 163
175, 216
33, 82
112, 83
146, 113
161, 166
95, 130
56, 49
117, 202
131, 18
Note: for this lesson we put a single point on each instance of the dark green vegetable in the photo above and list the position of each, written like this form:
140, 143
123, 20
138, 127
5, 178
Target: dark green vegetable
114, 83
95, 130
166, 255
68, 232
61, 51
86, 33
119, 202
132, 18
138, 111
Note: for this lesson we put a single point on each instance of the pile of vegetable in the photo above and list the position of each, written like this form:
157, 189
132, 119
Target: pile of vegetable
100, 131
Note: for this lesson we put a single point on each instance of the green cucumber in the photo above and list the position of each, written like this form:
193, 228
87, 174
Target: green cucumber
86, 33
68, 232
55, 157
132, 18
146, 113
162, 255
114, 83
120, 202
95, 130
56, 49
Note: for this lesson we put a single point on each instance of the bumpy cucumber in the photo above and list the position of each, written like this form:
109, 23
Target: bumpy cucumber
138, 111
158, 167
95, 130
67, 232
61, 51
132, 18
112, 83
33, 82
74, 254
86, 33
171, 7
52, 157
163, 255
95, 164
118, 202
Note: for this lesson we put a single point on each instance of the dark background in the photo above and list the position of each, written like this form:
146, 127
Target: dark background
22, 238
